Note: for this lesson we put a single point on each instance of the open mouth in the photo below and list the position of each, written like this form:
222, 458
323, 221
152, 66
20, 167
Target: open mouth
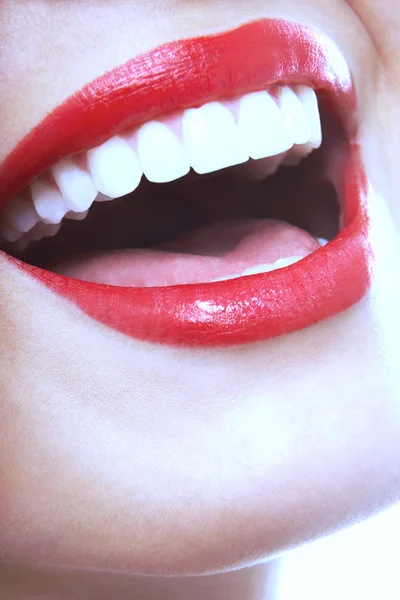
245, 213
198, 211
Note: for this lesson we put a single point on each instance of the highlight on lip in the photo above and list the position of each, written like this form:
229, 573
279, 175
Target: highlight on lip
265, 130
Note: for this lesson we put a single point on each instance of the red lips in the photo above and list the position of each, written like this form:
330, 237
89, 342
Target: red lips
186, 74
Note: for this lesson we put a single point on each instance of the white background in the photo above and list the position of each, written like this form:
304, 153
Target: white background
359, 563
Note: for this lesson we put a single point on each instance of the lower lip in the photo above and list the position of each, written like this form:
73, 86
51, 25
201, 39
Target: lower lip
247, 309
243, 310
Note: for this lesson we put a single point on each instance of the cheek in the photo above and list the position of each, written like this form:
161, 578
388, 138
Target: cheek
382, 23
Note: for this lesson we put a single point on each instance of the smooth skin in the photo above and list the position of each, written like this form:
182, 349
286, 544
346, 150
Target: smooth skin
120, 458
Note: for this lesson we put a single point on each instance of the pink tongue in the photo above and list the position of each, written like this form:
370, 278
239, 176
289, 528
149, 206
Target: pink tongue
217, 250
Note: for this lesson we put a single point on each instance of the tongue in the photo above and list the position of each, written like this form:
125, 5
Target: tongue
215, 251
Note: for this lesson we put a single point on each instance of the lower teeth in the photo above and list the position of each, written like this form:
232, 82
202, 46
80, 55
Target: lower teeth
263, 268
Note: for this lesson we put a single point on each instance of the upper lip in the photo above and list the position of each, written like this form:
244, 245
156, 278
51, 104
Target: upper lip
151, 84
185, 74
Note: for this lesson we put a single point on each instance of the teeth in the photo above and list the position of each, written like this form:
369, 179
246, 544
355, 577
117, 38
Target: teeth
76, 216
309, 102
296, 155
226, 278
103, 198
19, 215
42, 230
9, 235
262, 126
162, 156
115, 168
75, 184
48, 201
258, 170
294, 115
292, 160
271, 132
46, 230
266, 268
262, 268
212, 138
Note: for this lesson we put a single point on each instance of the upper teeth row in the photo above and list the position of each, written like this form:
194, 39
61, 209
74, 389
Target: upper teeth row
215, 136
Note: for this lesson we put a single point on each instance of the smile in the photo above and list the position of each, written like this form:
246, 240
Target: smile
209, 193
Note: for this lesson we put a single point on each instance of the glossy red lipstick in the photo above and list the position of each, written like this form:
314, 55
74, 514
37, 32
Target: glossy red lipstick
185, 74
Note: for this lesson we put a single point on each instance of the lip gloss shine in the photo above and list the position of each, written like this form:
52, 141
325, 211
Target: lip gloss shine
185, 74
